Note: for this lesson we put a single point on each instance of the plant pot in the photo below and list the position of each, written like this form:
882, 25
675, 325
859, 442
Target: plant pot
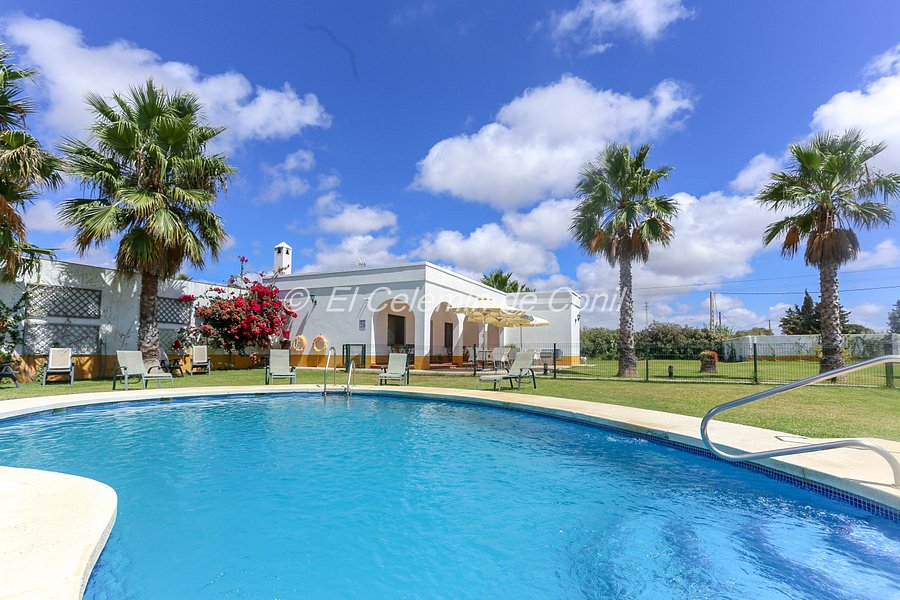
708, 364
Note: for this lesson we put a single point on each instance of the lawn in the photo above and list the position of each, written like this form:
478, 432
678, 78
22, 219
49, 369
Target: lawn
816, 411
768, 371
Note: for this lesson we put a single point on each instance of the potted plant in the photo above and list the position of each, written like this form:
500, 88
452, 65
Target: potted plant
708, 361
9, 357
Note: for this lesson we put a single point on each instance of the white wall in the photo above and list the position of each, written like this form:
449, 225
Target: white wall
801, 345
561, 308
118, 322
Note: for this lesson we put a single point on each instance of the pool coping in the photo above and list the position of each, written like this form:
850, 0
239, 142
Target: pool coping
855, 476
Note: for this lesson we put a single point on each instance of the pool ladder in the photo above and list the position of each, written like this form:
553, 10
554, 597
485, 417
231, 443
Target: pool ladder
345, 389
846, 443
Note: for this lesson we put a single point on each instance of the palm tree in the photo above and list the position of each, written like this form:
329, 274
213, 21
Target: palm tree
503, 281
830, 188
24, 167
618, 218
155, 185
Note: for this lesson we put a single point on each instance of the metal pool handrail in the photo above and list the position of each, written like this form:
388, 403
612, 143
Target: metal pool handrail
350, 379
331, 352
846, 443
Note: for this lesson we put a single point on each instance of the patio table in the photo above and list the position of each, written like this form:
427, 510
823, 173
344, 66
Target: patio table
8, 372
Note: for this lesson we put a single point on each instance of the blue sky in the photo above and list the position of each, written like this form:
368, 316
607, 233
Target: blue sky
453, 131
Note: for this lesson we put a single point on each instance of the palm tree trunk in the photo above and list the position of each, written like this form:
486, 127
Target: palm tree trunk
627, 356
148, 331
830, 317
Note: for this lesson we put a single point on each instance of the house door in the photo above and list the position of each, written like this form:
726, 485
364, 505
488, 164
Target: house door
448, 337
396, 330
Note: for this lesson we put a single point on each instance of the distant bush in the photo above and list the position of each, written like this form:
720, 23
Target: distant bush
599, 342
673, 341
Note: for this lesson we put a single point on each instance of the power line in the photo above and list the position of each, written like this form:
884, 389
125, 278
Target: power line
864, 289
735, 281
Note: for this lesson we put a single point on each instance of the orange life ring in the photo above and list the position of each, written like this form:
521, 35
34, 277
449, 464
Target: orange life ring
298, 344
319, 344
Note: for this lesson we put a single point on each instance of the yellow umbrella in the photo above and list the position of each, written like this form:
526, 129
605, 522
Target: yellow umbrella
488, 312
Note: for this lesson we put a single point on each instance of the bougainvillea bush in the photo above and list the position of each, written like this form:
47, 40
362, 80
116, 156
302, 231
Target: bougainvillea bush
248, 314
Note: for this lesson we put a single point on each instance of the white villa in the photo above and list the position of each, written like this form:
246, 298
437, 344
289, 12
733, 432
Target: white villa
406, 308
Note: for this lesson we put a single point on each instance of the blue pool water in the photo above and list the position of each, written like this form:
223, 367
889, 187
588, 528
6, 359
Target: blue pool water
288, 496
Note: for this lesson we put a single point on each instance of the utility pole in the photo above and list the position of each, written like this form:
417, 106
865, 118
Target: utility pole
646, 314
712, 310
770, 324
720, 320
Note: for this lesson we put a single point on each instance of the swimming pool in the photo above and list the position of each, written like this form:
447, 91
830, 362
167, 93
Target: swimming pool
289, 496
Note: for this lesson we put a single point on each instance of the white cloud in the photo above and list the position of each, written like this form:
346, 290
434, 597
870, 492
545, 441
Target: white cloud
284, 180
229, 243
591, 22
98, 256
875, 108
885, 254
337, 216
486, 248
886, 63
534, 148
546, 225
716, 238
353, 251
755, 174
70, 67
553, 282
869, 314
329, 181
43, 216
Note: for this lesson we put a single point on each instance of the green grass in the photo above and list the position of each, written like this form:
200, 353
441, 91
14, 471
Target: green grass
769, 371
817, 411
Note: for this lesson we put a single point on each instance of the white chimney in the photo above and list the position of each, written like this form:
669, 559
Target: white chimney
283, 258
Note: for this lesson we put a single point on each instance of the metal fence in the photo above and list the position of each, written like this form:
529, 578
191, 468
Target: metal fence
697, 364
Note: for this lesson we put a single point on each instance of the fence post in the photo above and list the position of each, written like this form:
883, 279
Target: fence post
755, 364
889, 367
647, 363
554, 360
475, 360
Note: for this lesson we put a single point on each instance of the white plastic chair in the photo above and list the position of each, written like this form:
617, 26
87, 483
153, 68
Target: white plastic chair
200, 360
499, 358
59, 362
397, 369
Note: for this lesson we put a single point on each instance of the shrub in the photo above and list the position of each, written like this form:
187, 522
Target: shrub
248, 315
599, 342
673, 341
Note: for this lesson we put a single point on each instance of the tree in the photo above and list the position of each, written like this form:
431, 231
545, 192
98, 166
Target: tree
619, 217
894, 318
754, 331
856, 328
599, 342
155, 184
805, 319
25, 167
672, 340
503, 281
830, 188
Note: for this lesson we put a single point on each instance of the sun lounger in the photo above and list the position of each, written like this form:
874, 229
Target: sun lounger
131, 364
520, 369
